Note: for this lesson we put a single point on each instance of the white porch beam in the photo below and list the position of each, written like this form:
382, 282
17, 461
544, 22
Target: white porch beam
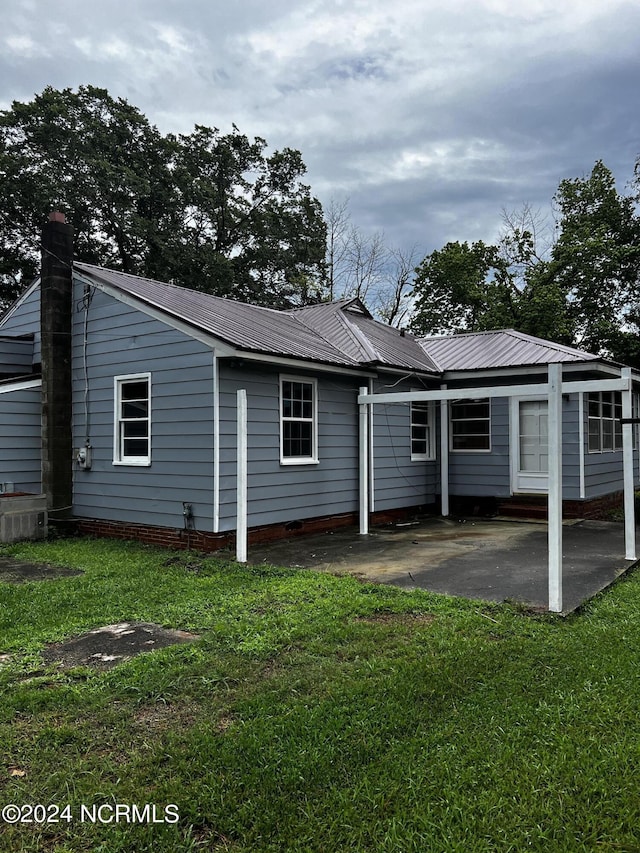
363, 463
241, 478
444, 456
493, 391
555, 488
627, 462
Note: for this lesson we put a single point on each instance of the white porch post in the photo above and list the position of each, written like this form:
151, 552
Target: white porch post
444, 456
555, 488
241, 478
627, 461
363, 465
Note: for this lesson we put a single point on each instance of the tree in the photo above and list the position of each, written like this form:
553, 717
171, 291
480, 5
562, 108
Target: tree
363, 265
338, 224
204, 210
595, 260
581, 288
463, 287
99, 161
393, 298
251, 227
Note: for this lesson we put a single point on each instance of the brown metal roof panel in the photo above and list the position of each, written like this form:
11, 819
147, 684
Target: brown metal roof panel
328, 320
244, 326
349, 325
483, 350
392, 346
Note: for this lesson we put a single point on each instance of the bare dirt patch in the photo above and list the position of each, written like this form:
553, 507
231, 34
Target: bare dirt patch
110, 645
19, 571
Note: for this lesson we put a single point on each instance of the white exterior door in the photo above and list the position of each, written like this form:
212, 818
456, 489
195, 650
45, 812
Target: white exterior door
530, 448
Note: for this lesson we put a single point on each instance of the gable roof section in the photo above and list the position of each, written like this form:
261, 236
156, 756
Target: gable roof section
341, 333
245, 327
506, 348
349, 325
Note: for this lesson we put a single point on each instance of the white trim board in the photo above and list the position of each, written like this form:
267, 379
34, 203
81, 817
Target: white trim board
20, 385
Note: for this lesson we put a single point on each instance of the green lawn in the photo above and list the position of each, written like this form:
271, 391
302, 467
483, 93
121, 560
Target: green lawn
317, 713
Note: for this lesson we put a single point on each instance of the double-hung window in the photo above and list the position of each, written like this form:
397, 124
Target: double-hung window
298, 421
605, 429
422, 431
132, 428
471, 425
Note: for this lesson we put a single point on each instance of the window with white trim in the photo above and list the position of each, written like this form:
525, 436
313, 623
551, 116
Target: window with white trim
605, 429
471, 425
132, 428
298, 421
422, 431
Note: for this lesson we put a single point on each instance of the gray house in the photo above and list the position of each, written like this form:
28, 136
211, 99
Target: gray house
118, 401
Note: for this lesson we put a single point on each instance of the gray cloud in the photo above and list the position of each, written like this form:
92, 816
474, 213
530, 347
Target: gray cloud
430, 118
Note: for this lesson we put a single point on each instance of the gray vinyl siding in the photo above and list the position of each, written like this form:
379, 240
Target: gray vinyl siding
288, 493
25, 319
16, 356
571, 448
603, 471
398, 481
485, 473
125, 341
20, 436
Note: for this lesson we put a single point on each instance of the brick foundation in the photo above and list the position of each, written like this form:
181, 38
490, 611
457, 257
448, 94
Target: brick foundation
593, 508
535, 506
169, 537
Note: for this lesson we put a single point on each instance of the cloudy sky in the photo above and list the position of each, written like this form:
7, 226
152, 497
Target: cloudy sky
430, 117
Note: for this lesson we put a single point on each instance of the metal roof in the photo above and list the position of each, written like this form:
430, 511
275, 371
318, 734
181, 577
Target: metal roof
349, 325
392, 347
321, 333
506, 348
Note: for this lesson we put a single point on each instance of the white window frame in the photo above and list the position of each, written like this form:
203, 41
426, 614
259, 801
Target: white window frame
300, 460
615, 402
119, 458
453, 419
429, 427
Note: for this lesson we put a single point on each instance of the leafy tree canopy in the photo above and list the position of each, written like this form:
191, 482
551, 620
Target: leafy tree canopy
205, 210
582, 290
462, 287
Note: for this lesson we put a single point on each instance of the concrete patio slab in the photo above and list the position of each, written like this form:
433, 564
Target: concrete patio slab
492, 560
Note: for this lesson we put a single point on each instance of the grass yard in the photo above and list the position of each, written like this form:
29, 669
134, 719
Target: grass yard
316, 713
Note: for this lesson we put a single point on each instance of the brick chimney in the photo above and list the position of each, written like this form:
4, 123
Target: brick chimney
55, 329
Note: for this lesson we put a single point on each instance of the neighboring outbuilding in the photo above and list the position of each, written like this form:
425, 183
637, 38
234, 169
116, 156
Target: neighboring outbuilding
136, 384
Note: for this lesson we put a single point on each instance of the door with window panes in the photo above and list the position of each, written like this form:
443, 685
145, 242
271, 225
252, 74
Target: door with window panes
532, 446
